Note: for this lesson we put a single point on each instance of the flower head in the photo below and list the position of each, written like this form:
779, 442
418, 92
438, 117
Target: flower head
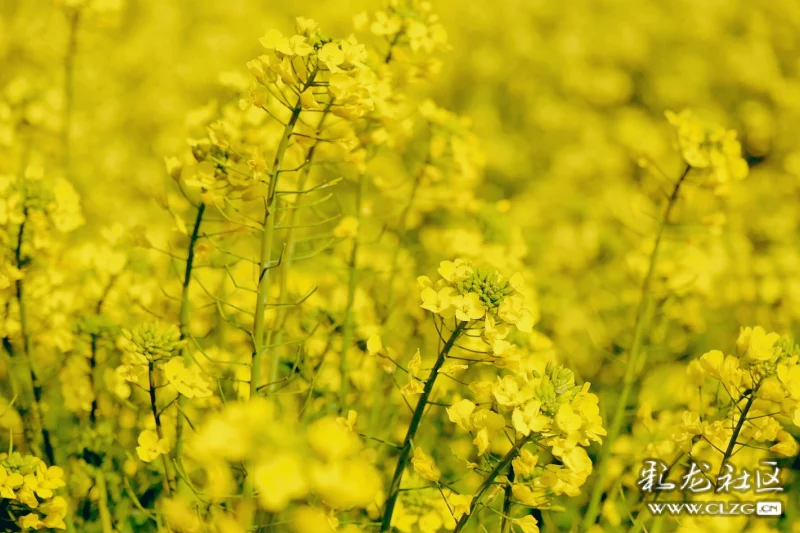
710, 148
470, 293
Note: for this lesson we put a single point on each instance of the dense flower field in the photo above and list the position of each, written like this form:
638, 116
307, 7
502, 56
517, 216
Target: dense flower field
409, 267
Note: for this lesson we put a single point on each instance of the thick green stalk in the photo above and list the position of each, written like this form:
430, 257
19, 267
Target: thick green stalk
416, 419
643, 311
487, 483
267, 242
184, 324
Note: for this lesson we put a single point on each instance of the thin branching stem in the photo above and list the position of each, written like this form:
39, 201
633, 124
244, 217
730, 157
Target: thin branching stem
499, 468
267, 242
273, 345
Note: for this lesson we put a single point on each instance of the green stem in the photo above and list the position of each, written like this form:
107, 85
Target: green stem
274, 344
35, 424
507, 494
168, 481
102, 499
416, 418
631, 371
487, 483
352, 283
184, 325
260, 342
267, 241
738, 429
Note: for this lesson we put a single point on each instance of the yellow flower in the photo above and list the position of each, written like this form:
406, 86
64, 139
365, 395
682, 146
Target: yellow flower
332, 55
492, 331
756, 343
27, 494
179, 515
574, 457
307, 519
487, 423
299, 46
587, 404
150, 446
439, 302
280, 478
187, 380
345, 484
414, 385
49, 478
525, 463
711, 362
460, 504
709, 147
55, 511
385, 24
350, 421
424, 465
514, 311
567, 420
332, 440
31, 521
527, 524
512, 390
460, 413
786, 445
430, 522
691, 423
9, 482
469, 307
482, 440
374, 345
530, 419
174, 167
274, 40
455, 271
790, 377
347, 228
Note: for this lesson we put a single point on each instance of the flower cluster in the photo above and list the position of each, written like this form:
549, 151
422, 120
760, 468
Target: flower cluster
327, 459
760, 386
710, 148
147, 345
474, 293
548, 410
27, 488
